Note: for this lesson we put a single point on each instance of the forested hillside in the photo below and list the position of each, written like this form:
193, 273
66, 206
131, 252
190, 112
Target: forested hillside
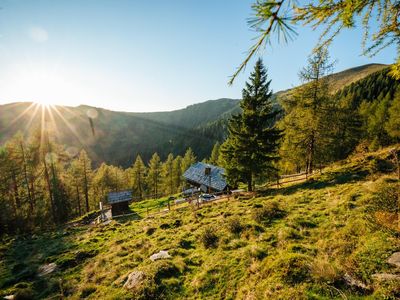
362, 114
118, 137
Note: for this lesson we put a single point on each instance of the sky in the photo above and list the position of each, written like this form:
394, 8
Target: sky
132, 55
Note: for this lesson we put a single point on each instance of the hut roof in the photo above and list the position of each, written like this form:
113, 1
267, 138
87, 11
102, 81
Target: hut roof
197, 174
117, 197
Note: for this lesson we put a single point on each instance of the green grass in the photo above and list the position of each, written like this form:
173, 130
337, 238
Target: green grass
293, 243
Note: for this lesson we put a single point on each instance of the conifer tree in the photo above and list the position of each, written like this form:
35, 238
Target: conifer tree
309, 111
138, 176
188, 159
392, 125
177, 172
154, 175
252, 144
215, 154
85, 175
168, 175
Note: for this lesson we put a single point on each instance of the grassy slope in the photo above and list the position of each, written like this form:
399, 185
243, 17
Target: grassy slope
303, 254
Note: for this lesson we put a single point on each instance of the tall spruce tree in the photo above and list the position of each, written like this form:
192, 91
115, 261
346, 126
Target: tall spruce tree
253, 141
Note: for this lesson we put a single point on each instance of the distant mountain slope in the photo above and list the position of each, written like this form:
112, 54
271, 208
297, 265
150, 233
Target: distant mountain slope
117, 137
349, 76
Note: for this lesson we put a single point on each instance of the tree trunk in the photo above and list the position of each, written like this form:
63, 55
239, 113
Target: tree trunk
26, 177
250, 183
47, 177
85, 185
311, 153
78, 198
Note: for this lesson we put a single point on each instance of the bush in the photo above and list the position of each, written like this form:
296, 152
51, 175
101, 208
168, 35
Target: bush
267, 213
293, 268
234, 225
209, 238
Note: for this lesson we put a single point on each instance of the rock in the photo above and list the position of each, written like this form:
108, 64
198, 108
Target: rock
160, 255
9, 297
394, 259
134, 279
353, 282
106, 222
46, 269
385, 277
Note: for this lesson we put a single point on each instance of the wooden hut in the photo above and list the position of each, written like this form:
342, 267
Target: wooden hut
208, 178
119, 202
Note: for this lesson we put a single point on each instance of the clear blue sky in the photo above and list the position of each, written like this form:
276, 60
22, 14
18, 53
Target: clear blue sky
143, 55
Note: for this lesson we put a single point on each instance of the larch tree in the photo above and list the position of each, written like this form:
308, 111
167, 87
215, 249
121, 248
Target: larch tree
138, 177
308, 112
154, 175
253, 141
177, 172
215, 154
188, 159
379, 20
85, 167
168, 175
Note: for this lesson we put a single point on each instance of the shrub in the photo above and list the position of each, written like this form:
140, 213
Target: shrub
267, 213
293, 268
209, 238
322, 271
234, 225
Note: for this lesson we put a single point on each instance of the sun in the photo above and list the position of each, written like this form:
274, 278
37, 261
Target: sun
42, 84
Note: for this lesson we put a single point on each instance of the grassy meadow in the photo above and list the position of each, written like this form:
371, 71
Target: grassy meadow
302, 241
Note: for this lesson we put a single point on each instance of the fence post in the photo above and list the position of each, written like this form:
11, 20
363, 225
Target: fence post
169, 206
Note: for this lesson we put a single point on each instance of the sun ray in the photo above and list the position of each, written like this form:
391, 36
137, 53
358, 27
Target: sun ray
33, 115
20, 116
42, 128
69, 126
48, 109
71, 112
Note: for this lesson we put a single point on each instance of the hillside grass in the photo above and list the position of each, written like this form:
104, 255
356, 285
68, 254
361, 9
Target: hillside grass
297, 242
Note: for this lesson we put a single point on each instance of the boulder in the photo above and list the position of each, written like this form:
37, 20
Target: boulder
46, 269
134, 280
160, 255
355, 283
394, 259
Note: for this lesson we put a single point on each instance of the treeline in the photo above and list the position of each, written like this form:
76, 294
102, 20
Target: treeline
43, 184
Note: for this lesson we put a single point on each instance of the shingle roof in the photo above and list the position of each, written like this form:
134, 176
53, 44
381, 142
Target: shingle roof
196, 173
116, 197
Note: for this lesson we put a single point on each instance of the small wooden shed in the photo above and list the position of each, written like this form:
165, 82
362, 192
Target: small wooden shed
119, 202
